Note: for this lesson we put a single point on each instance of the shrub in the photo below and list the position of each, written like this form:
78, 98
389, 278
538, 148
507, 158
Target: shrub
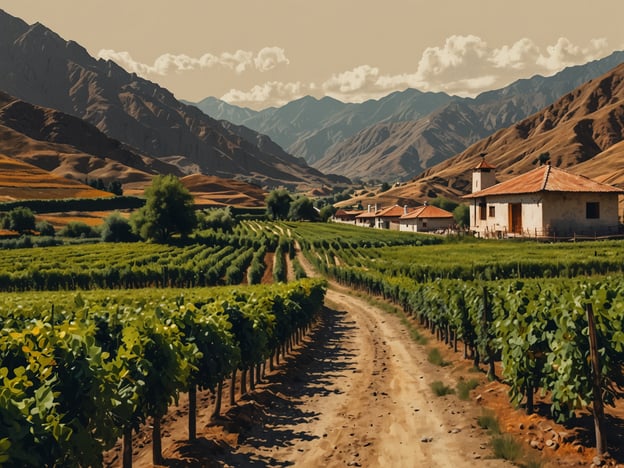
45, 228
464, 387
506, 447
440, 389
435, 357
78, 229
489, 421
217, 218
117, 229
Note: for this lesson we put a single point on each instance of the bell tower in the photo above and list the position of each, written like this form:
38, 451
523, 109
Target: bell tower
483, 176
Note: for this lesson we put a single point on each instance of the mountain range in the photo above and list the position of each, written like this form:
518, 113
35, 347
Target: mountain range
582, 131
66, 112
41, 68
403, 134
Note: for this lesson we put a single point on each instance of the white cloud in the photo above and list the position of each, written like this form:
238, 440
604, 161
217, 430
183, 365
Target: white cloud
269, 58
466, 66
269, 93
359, 79
239, 61
564, 53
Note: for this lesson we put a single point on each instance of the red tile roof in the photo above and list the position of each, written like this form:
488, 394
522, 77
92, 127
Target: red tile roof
391, 212
367, 214
548, 179
394, 211
484, 165
428, 212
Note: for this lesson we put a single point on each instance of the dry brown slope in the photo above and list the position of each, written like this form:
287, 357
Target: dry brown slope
22, 181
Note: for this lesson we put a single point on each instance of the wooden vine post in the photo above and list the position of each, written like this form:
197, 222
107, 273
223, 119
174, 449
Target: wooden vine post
598, 406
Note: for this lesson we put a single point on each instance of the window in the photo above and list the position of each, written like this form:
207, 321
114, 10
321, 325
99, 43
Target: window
482, 211
592, 210
492, 212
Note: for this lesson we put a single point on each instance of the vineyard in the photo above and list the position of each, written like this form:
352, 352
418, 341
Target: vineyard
98, 339
82, 369
524, 305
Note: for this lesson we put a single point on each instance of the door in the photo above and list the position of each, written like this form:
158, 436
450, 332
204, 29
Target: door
515, 218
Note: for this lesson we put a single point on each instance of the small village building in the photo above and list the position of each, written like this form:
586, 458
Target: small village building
346, 216
389, 217
426, 218
546, 201
367, 218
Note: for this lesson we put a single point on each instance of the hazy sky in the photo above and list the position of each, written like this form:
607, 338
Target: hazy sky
259, 53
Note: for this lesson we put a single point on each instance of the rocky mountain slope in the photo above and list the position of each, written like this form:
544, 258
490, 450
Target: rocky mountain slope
582, 132
40, 67
308, 127
70, 147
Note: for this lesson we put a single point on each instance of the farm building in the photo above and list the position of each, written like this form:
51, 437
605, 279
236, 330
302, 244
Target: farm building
546, 201
425, 219
387, 218
346, 216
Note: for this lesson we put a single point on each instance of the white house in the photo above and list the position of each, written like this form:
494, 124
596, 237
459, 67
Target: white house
543, 202
426, 218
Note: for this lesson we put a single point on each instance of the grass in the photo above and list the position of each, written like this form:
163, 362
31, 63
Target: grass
506, 447
440, 389
489, 421
464, 387
435, 357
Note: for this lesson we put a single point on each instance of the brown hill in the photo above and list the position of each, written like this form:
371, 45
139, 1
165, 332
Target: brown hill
40, 67
582, 132
22, 181
212, 190
68, 146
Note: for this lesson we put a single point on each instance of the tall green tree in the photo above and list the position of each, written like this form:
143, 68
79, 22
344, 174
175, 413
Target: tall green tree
302, 209
168, 210
278, 204
461, 215
20, 219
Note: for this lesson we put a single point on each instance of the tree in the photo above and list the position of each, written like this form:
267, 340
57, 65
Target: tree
115, 187
384, 187
78, 229
168, 210
444, 203
461, 215
302, 209
117, 229
45, 228
278, 204
327, 212
218, 218
20, 219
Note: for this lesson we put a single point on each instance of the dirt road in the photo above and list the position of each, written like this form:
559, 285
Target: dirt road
357, 393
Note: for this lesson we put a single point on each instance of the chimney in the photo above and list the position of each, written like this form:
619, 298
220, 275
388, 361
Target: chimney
404, 209
369, 208
375, 207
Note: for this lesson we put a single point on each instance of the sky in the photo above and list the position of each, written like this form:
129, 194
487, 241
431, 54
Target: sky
262, 53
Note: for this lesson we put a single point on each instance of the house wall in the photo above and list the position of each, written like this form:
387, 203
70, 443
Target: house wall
417, 224
566, 213
547, 213
499, 223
